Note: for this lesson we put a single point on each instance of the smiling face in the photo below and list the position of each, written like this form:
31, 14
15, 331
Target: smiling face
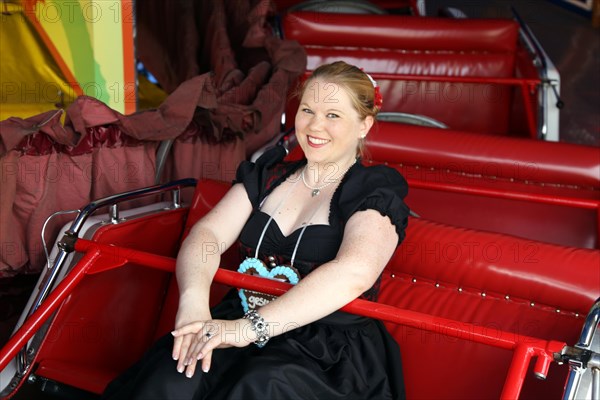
328, 127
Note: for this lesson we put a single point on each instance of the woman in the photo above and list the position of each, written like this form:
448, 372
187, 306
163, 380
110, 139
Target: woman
336, 223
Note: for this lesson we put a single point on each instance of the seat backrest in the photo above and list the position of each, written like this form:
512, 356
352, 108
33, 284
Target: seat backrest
492, 281
538, 173
427, 47
207, 195
544, 191
562, 165
107, 322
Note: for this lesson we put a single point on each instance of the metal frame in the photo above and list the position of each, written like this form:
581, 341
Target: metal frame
52, 275
412, 119
548, 112
338, 6
584, 363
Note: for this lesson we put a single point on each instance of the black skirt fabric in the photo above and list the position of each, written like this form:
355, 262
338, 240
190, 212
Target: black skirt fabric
341, 356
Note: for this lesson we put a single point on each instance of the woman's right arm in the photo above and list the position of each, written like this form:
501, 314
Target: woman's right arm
199, 258
201, 251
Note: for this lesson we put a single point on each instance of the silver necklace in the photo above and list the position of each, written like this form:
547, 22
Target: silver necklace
316, 190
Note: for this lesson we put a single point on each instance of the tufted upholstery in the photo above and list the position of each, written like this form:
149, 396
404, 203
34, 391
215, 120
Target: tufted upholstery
465, 275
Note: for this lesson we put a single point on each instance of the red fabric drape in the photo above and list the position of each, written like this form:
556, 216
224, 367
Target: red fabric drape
215, 119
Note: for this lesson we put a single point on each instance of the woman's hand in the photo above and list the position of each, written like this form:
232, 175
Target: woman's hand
208, 335
188, 312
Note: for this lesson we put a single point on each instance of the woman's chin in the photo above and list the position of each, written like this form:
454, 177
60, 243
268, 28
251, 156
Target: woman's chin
312, 152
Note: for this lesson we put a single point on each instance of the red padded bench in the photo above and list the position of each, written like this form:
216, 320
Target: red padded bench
462, 73
487, 279
545, 191
491, 280
540, 190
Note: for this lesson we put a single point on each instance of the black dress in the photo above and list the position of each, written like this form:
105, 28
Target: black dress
341, 356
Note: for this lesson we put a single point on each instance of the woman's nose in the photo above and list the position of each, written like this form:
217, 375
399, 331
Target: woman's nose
315, 123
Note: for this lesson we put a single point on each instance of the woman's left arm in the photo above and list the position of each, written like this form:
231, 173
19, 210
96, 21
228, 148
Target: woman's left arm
369, 242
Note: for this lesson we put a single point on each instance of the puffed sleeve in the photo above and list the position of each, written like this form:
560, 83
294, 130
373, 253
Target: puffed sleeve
379, 188
254, 175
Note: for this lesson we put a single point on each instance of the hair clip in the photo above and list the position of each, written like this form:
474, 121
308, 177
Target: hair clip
378, 98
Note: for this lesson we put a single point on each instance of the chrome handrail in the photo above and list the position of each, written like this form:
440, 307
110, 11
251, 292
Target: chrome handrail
24, 357
583, 357
161, 158
412, 119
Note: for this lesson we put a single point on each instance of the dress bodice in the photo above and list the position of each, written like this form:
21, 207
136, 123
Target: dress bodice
380, 188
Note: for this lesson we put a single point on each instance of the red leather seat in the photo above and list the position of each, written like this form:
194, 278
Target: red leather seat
530, 288
422, 47
544, 191
493, 281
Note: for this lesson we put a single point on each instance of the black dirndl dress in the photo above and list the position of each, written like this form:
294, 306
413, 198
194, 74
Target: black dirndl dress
341, 356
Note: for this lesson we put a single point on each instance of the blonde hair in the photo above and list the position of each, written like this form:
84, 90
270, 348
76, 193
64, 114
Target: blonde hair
357, 83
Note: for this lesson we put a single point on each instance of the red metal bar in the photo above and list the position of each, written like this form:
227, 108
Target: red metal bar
479, 334
516, 372
455, 79
526, 89
54, 299
100, 257
116, 256
533, 197
414, 7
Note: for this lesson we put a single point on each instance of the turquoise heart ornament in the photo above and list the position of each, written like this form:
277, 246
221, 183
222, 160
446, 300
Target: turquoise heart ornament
251, 299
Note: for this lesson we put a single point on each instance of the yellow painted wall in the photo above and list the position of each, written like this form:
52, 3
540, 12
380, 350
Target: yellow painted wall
88, 44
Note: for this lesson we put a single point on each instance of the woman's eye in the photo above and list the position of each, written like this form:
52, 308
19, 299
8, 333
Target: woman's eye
332, 115
307, 110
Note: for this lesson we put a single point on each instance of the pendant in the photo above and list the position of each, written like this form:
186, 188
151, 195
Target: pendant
315, 192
